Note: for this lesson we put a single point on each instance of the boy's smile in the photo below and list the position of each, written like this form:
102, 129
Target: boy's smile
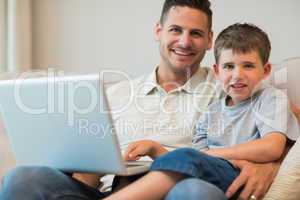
240, 73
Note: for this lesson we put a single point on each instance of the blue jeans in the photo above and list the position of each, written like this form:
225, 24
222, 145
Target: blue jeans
42, 183
192, 163
195, 189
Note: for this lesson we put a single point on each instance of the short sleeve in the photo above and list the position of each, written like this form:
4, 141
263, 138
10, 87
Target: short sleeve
272, 114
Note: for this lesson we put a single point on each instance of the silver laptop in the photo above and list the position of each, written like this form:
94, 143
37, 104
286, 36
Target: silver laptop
64, 123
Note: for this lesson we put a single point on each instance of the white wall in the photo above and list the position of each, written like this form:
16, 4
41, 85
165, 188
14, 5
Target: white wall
89, 35
17, 30
2, 35
23, 35
280, 19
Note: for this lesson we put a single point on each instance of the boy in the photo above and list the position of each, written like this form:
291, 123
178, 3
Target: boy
252, 122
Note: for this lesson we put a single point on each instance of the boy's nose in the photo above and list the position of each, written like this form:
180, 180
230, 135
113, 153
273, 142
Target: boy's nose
238, 72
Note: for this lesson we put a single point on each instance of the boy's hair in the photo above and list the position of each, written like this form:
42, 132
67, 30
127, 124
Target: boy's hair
243, 38
202, 5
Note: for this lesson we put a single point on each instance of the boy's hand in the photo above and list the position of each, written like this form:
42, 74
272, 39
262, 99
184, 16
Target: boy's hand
135, 150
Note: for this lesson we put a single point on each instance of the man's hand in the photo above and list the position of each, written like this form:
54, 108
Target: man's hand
255, 178
135, 150
296, 110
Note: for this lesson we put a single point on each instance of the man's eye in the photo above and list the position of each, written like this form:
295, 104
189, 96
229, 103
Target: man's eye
197, 34
175, 30
228, 67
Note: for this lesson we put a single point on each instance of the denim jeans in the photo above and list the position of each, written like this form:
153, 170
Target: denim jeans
195, 189
195, 164
42, 183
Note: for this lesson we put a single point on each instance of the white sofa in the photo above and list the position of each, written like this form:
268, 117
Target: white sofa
286, 185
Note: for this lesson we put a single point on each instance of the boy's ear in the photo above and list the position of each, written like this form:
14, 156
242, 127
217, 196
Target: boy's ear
216, 70
157, 31
267, 69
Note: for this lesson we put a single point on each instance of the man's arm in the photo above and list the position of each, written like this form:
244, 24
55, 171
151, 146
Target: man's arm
255, 178
267, 149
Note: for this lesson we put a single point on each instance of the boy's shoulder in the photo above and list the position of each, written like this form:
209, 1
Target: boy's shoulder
269, 98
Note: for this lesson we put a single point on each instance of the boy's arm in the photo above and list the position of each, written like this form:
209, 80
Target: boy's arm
266, 149
135, 150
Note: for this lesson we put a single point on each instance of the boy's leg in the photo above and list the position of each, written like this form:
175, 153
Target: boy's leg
171, 168
192, 163
153, 185
34, 183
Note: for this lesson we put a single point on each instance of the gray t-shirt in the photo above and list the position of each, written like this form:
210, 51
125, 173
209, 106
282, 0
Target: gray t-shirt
265, 112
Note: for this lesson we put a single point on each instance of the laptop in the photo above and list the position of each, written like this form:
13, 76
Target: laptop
63, 122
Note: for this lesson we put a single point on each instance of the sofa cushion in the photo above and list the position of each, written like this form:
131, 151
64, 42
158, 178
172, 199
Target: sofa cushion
286, 185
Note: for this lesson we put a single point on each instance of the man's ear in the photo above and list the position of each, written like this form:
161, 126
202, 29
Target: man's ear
157, 31
216, 70
267, 69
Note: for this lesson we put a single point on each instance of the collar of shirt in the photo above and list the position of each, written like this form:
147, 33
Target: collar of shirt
191, 86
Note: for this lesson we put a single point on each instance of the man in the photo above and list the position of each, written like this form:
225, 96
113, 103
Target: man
163, 106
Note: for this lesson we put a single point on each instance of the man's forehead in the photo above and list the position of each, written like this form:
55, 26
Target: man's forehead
186, 17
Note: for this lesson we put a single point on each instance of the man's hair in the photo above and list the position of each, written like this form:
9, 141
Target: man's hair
201, 5
243, 38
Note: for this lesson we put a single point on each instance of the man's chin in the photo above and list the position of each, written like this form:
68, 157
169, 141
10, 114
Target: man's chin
184, 68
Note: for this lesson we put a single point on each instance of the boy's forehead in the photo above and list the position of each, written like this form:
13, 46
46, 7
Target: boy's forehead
230, 55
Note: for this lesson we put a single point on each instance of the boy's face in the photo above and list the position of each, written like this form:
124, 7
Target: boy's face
240, 73
184, 38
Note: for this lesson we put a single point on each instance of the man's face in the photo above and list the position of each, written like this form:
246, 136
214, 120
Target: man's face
240, 73
184, 37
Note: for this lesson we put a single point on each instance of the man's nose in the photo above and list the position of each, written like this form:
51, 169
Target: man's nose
185, 40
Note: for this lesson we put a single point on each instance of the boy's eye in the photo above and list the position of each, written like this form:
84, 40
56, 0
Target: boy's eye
248, 66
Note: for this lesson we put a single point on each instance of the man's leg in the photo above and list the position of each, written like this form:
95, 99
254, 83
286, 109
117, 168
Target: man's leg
195, 189
39, 183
